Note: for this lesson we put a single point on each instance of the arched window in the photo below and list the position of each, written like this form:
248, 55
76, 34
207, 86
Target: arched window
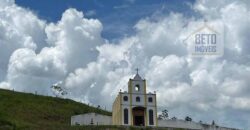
125, 98
137, 87
151, 117
137, 99
150, 99
125, 116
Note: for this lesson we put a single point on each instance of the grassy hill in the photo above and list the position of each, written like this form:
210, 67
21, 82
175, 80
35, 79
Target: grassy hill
23, 111
29, 111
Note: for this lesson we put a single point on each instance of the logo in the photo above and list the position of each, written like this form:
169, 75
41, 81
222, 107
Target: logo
207, 39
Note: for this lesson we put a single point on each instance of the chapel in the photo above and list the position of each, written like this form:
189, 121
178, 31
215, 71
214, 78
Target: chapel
135, 107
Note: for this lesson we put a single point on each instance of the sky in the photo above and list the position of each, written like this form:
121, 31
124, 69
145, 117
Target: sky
117, 17
92, 48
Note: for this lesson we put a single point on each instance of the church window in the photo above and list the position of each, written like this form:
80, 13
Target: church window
125, 98
137, 87
137, 99
125, 116
151, 117
150, 99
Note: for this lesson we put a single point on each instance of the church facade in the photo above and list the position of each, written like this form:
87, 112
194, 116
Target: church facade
135, 107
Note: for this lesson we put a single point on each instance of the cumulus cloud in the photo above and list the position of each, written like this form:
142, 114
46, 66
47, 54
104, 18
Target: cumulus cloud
35, 54
19, 28
70, 43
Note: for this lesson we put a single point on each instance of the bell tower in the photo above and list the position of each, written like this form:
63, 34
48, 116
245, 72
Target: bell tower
137, 85
135, 107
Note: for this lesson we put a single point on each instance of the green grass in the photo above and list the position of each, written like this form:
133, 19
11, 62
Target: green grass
29, 111
22, 111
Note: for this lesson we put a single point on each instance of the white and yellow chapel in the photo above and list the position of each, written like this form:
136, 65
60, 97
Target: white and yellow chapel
135, 107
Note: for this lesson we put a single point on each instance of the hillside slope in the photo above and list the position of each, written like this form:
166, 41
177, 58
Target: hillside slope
29, 111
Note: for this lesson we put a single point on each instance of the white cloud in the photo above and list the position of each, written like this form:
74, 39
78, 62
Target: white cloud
75, 37
19, 28
155, 37
91, 13
5, 85
72, 44
6, 3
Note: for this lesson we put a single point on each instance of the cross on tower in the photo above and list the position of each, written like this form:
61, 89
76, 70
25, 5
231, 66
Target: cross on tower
137, 70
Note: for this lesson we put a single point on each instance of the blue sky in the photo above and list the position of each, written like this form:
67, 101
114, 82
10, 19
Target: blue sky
117, 16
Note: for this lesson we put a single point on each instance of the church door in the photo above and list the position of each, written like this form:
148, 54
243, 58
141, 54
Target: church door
138, 116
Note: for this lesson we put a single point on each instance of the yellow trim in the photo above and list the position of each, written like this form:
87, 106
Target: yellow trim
130, 92
120, 104
145, 104
156, 120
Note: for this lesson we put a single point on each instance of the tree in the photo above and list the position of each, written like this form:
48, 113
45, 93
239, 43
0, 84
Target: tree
174, 118
163, 115
188, 118
160, 117
58, 91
